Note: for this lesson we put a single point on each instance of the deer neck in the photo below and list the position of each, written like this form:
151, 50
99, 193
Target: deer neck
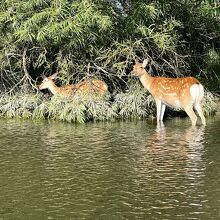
54, 89
146, 80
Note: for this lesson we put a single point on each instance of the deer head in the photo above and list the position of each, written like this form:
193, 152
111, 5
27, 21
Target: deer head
47, 81
139, 68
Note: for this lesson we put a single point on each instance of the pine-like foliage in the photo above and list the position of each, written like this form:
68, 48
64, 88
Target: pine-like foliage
83, 38
78, 109
135, 103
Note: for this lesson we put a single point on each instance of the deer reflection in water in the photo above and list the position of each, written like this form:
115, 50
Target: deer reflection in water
190, 136
177, 148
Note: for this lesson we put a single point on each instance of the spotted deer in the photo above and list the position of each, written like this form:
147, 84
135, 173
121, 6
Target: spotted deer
85, 87
186, 93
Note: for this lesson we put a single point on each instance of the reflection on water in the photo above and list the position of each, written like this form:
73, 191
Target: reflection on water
121, 170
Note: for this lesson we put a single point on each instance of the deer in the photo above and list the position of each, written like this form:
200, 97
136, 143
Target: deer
96, 86
179, 93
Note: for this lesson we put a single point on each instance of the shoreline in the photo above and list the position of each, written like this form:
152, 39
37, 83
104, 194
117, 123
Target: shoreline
218, 106
134, 104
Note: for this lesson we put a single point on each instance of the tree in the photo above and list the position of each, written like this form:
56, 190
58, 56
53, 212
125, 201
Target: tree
101, 38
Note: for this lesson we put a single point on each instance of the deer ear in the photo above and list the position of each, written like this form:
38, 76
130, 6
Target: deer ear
43, 76
145, 62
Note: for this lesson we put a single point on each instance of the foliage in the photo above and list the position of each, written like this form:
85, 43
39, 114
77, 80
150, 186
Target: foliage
101, 39
135, 103
20, 105
73, 109
210, 103
84, 38
213, 68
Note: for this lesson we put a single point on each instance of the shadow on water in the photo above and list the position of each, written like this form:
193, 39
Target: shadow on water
121, 170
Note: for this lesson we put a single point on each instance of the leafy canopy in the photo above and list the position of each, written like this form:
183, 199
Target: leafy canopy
101, 38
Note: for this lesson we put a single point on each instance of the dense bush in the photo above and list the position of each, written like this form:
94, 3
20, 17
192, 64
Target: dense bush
135, 103
101, 39
84, 38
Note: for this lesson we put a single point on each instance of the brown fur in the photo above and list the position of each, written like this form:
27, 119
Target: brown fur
85, 87
174, 92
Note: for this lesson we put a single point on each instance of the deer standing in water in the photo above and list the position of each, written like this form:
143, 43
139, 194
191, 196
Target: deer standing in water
178, 93
85, 87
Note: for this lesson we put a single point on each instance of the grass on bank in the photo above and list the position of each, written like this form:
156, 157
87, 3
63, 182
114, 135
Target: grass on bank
135, 103
75, 109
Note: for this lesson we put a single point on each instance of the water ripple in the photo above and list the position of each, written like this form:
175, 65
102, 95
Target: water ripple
123, 170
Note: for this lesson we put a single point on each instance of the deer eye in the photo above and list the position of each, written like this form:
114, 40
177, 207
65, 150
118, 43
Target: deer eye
46, 80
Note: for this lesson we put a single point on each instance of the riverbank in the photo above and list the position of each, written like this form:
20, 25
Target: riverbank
135, 103
217, 102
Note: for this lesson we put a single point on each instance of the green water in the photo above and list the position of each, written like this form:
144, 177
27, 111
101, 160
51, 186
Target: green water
120, 170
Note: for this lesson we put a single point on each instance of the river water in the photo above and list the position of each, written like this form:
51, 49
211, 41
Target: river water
110, 171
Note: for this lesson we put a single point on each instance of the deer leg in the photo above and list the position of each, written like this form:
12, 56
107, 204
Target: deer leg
200, 112
191, 114
159, 108
163, 107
